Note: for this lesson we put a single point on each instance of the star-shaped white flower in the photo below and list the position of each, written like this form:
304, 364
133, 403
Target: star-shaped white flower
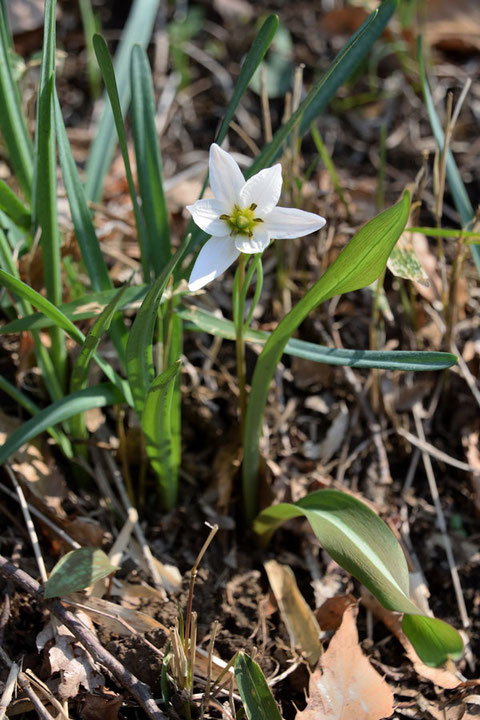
243, 216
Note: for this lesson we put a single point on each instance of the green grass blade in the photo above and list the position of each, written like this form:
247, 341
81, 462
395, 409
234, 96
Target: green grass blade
84, 230
93, 397
14, 208
12, 121
336, 75
459, 193
80, 370
45, 186
27, 404
138, 29
253, 59
91, 25
149, 161
360, 542
81, 216
139, 356
61, 321
158, 431
358, 265
83, 308
381, 359
106, 66
256, 696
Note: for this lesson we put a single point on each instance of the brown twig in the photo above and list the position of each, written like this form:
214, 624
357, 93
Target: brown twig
138, 689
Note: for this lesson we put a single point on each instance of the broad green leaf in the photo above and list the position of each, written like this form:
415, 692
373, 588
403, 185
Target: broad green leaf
77, 570
355, 537
358, 265
149, 162
61, 321
44, 204
139, 357
83, 308
92, 397
106, 66
359, 541
138, 29
14, 208
256, 696
157, 428
12, 121
205, 321
459, 193
434, 640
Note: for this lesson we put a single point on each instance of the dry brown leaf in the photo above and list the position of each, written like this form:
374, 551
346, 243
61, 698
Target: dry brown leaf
443, 678
471, 443
345, 686
453, 26
110, 616
300, 621
69, 658
103, 706
330, 613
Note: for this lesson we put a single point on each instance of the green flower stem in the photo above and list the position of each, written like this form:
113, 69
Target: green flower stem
239, 296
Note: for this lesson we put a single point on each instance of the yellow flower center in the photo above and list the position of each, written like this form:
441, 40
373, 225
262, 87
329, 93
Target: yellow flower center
242, 221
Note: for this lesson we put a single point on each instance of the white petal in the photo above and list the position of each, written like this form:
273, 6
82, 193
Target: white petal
256, 244
284, 223
226, 177
214, 258
206, 215
263, 189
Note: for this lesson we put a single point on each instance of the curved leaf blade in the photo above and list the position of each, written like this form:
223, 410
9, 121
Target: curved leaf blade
77, 570
435, 641
358, 265
92, 397
406, 360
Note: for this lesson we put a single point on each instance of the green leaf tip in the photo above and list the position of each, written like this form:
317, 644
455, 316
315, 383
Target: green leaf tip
78, 570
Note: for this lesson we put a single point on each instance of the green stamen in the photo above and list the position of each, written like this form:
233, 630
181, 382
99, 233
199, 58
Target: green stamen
242, 221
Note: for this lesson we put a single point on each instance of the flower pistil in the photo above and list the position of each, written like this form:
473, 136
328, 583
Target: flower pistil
242, 221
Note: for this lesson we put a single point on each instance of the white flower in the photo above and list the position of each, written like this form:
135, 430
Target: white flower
243, 217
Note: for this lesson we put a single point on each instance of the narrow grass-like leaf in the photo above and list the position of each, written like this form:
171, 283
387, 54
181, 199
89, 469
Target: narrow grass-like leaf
61, 321
252, 61
12, 121
434, 640
358, 265
139, 358
85, 232
157, 428
79, 376
455, 182
336, 75
92, 397
44, 206
27, 404
359, 541
91, 25
149, 161
106, 66
380, 359
77, 570
14, 208
81, 309
138, 29
256, 696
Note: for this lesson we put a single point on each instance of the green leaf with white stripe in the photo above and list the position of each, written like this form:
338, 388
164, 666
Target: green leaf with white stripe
360, 542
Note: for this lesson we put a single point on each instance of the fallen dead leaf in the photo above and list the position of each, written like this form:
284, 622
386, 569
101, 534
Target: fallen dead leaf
330, 614
345, 686
103, 706
471, 443
70, 659
115, 618
301, 623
